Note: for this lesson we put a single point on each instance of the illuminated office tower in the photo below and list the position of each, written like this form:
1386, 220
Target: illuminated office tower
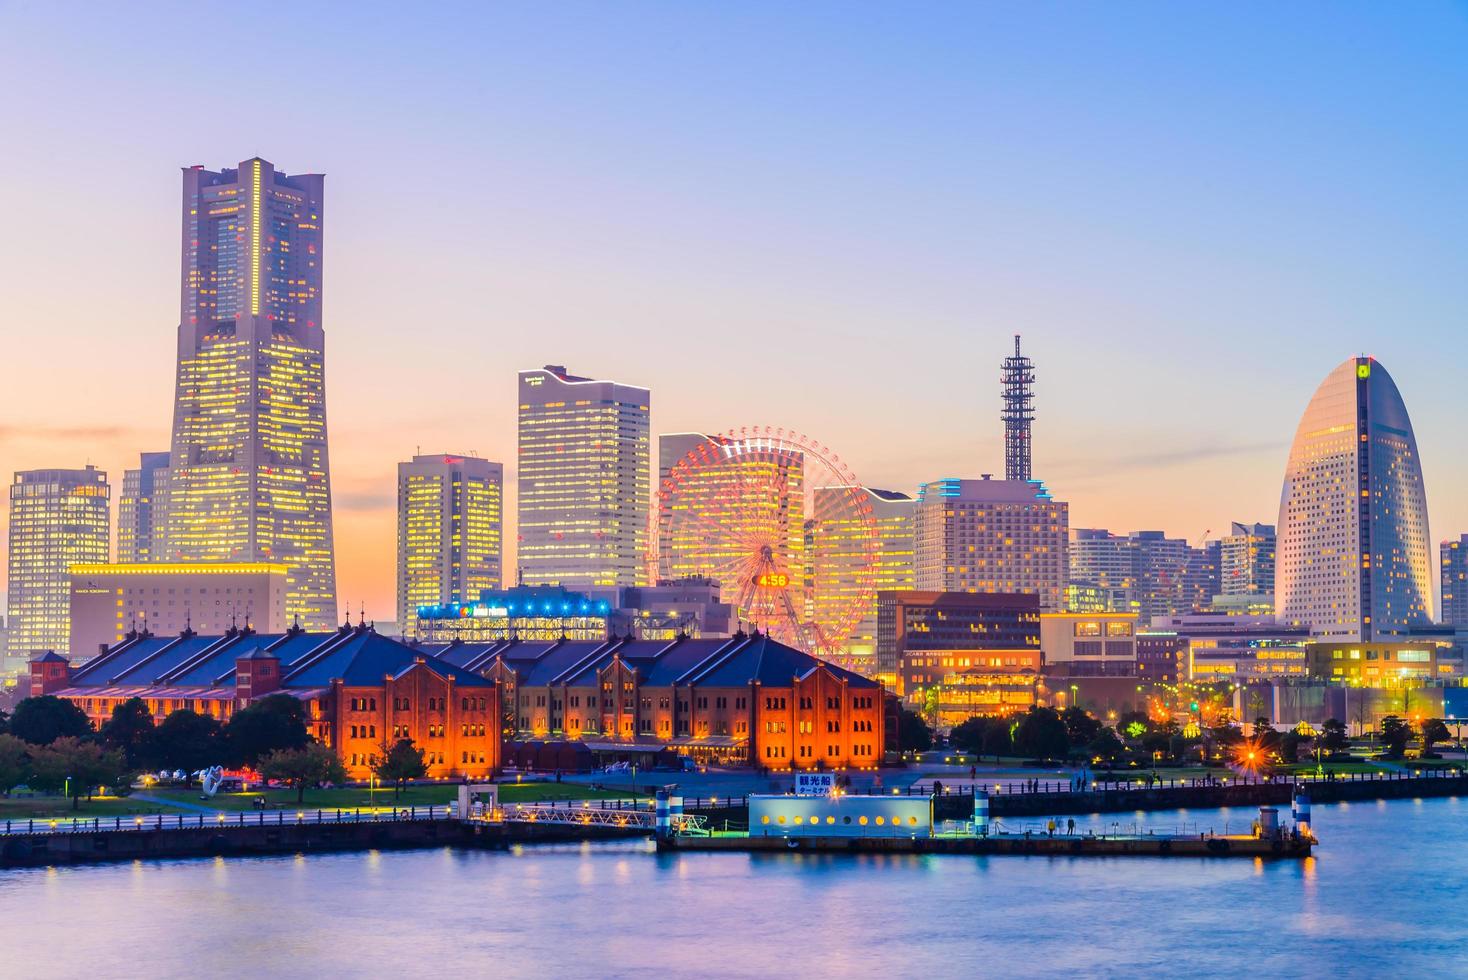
1103, 574
142, 510
249, 479
450, 531
58, 518
1353, 560
1455, 581
723, 504
839, 554
584, 481
991, 536
1246, 558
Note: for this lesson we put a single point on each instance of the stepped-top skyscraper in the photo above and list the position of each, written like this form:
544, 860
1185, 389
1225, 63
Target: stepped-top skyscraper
249, 479
585, 484
1353, 560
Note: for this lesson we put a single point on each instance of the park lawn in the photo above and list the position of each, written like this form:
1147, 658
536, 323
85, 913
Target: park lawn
1341, 768
46, 807
533, 792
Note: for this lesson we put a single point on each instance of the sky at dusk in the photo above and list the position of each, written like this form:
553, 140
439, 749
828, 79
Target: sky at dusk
830, 217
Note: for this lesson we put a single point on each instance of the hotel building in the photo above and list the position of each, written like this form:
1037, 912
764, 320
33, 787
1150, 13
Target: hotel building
58, 518
249, 479
1353, 560
111, 601
450, 531
142, 510
991, 536
1246, 558
584, 480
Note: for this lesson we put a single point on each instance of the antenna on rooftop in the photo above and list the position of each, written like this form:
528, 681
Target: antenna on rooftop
1018, 379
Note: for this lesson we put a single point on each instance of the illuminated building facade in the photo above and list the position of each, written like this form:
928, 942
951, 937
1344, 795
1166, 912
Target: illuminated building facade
142, 510
58, 518
1353, 560
1144, 572
249, 477
109, 601
925, 640
991, 536
584, 480
450, 531
525, 612
1230, 646
1246, 560
744, 700
1079, 645
1102, 572
1374, 664
362, 692
838, 558
691, 606
1454, 555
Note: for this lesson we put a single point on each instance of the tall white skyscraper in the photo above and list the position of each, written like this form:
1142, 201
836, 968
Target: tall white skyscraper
450, 531
58, 518
249, 479
1353, 561
585, 485
142, 510
992, 536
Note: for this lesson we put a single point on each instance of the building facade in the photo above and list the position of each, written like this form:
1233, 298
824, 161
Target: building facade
450, 531
991, 536
109, 601
584, 481
249, 478
744, 700
362, 692
1079, 645
1454, 558
1145, 572
142, 510
958, 654
58, 518
840, 571
1246, 560
1353, 559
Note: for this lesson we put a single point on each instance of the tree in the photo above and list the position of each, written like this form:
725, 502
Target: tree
1333, 736
189, 741
268, 725
400, 763
998, 737
1106, 746
78, 768
15, 763
1395, 734
4, 721
968, 735
1289, 746
131, 729
913, 733
42, 720
312, 765
1080, 728
1041, 735
1434, 730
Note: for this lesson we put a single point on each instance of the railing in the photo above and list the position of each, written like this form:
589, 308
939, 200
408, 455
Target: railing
1100, 783
220, 820
582, 814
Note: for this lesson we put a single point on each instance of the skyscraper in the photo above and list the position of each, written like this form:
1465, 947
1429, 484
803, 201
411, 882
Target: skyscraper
991, 536
249, 479
1353, 560
1145, 572
142, 510
1455, 581
838, 555
1247, 560
58, 518
450, 531
584, 480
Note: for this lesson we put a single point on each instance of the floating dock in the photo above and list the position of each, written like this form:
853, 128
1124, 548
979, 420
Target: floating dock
1292, 846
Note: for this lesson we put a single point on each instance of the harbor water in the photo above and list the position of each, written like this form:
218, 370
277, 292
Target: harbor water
1386, 893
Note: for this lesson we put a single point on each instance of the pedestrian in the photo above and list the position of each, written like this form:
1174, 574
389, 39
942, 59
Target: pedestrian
973, 773
1070, 826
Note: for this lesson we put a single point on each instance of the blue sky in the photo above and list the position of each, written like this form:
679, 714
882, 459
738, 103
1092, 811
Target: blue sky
824, 216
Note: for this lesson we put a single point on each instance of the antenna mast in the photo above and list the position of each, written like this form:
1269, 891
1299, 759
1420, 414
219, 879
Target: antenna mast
1018, 379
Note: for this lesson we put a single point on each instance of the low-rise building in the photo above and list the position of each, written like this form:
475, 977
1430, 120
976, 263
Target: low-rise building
1375, 664
108, 601
922, 637
1089, 645
362, 692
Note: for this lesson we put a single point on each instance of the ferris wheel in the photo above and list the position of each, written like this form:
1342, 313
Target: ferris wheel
780, 522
